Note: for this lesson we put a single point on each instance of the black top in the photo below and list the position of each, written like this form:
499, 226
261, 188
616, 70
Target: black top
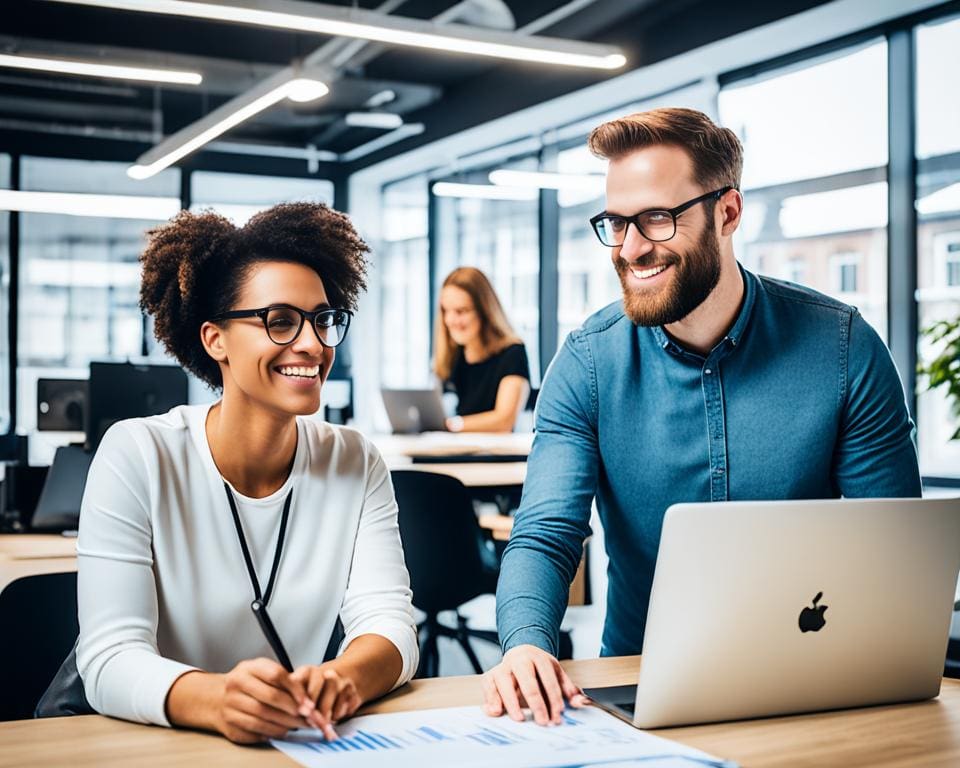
476, 384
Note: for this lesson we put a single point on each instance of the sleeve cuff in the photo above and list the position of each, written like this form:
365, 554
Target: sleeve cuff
404, 638
151, 691
531, 635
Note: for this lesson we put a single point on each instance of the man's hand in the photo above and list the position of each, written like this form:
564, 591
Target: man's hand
529, 677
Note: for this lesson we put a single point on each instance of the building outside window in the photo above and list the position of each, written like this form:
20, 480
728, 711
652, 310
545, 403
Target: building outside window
796, 271
845, 267
938, 227
947, 247
814, 179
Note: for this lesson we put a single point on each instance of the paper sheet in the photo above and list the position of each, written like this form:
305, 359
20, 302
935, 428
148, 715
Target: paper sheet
465, 736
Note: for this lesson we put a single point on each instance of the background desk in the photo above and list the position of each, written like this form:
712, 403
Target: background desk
399, 452
29, 554
900, 736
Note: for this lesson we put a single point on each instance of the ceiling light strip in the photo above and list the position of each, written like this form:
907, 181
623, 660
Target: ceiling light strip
219, 121
483, 191
546, 180
393, 30
92, 69
98, 206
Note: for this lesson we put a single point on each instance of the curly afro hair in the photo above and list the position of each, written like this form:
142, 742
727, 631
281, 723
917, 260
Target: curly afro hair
195, 265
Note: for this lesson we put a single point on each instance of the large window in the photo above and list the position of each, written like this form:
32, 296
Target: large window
938, 227
814, 178
502, 239
4, 301
239, 196
588, 280
79, 274
404, 287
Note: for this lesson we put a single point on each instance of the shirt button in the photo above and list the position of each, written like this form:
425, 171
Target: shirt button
707, 371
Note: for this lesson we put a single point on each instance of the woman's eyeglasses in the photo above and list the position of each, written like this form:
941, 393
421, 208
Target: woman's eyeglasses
283, 322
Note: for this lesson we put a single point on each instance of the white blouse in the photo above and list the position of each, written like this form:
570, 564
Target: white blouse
163, 587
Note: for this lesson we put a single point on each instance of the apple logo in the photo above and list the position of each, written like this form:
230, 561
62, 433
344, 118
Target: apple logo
811, 619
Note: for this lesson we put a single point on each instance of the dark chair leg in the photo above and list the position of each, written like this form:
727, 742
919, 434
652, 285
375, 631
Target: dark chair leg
429, 653
465, 644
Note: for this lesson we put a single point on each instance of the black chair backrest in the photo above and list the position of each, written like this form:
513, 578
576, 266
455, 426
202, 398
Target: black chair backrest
38, 627
441, 540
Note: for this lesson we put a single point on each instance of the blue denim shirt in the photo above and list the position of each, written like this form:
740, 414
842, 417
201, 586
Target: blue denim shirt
800, 400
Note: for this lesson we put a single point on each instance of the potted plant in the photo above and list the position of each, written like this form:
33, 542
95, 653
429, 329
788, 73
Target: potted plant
944, 369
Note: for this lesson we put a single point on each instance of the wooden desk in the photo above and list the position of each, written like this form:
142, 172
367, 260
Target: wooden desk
398, 452
901, 736
453, 443
30, 554
476, 474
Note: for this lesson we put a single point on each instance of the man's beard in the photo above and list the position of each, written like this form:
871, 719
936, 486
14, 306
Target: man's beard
696, 274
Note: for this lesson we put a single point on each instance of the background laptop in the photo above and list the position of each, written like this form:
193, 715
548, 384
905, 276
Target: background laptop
414, 410
732, 629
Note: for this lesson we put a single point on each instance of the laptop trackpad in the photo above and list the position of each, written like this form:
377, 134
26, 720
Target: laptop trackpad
621, 698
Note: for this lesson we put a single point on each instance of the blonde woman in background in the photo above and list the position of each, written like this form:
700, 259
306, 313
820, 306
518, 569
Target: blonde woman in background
478, 356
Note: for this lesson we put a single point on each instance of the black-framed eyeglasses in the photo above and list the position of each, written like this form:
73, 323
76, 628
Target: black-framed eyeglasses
284, 322
656, 224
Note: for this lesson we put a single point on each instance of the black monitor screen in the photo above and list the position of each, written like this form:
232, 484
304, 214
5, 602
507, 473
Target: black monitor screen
61, 404
125, 391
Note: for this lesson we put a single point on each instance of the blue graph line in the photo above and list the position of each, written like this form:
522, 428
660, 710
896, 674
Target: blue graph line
567, 720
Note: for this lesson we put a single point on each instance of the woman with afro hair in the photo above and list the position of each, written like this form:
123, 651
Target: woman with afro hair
189, 516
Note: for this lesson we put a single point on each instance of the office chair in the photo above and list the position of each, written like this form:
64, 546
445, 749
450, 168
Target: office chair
448, 561
38, 616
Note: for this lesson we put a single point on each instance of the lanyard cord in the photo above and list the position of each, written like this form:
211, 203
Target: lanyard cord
265, 598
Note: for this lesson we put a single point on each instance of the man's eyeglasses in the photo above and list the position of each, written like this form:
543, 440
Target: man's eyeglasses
656, 224
283, 322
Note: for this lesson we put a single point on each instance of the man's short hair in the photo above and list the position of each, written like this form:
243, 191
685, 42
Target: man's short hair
716, 152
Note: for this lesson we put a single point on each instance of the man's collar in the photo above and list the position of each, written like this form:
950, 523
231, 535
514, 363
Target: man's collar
733, 336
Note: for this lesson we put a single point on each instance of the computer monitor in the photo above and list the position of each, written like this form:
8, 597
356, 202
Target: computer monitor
61, 405
58, 507
128, 390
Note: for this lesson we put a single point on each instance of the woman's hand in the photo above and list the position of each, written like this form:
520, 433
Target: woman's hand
332, 694
260, 700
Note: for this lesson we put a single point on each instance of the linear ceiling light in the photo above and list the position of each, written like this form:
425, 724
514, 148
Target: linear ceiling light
483, 191
99, 206
93, 69
221, 120
542, 180
370, 25
383, 120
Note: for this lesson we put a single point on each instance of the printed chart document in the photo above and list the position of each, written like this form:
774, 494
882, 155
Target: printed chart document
465, 737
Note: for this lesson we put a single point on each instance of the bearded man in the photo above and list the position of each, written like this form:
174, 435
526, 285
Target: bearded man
706, 383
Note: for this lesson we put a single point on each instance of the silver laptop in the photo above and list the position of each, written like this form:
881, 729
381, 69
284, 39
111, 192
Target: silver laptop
769, 608
414, 410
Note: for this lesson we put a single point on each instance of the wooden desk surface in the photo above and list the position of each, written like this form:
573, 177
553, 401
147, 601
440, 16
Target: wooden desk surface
473, 475
30, 554
448, 443
900, 736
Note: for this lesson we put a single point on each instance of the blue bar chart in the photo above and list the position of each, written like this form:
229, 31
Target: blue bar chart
465, 737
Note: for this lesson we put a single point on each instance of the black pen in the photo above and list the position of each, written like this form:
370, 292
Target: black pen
270, 632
